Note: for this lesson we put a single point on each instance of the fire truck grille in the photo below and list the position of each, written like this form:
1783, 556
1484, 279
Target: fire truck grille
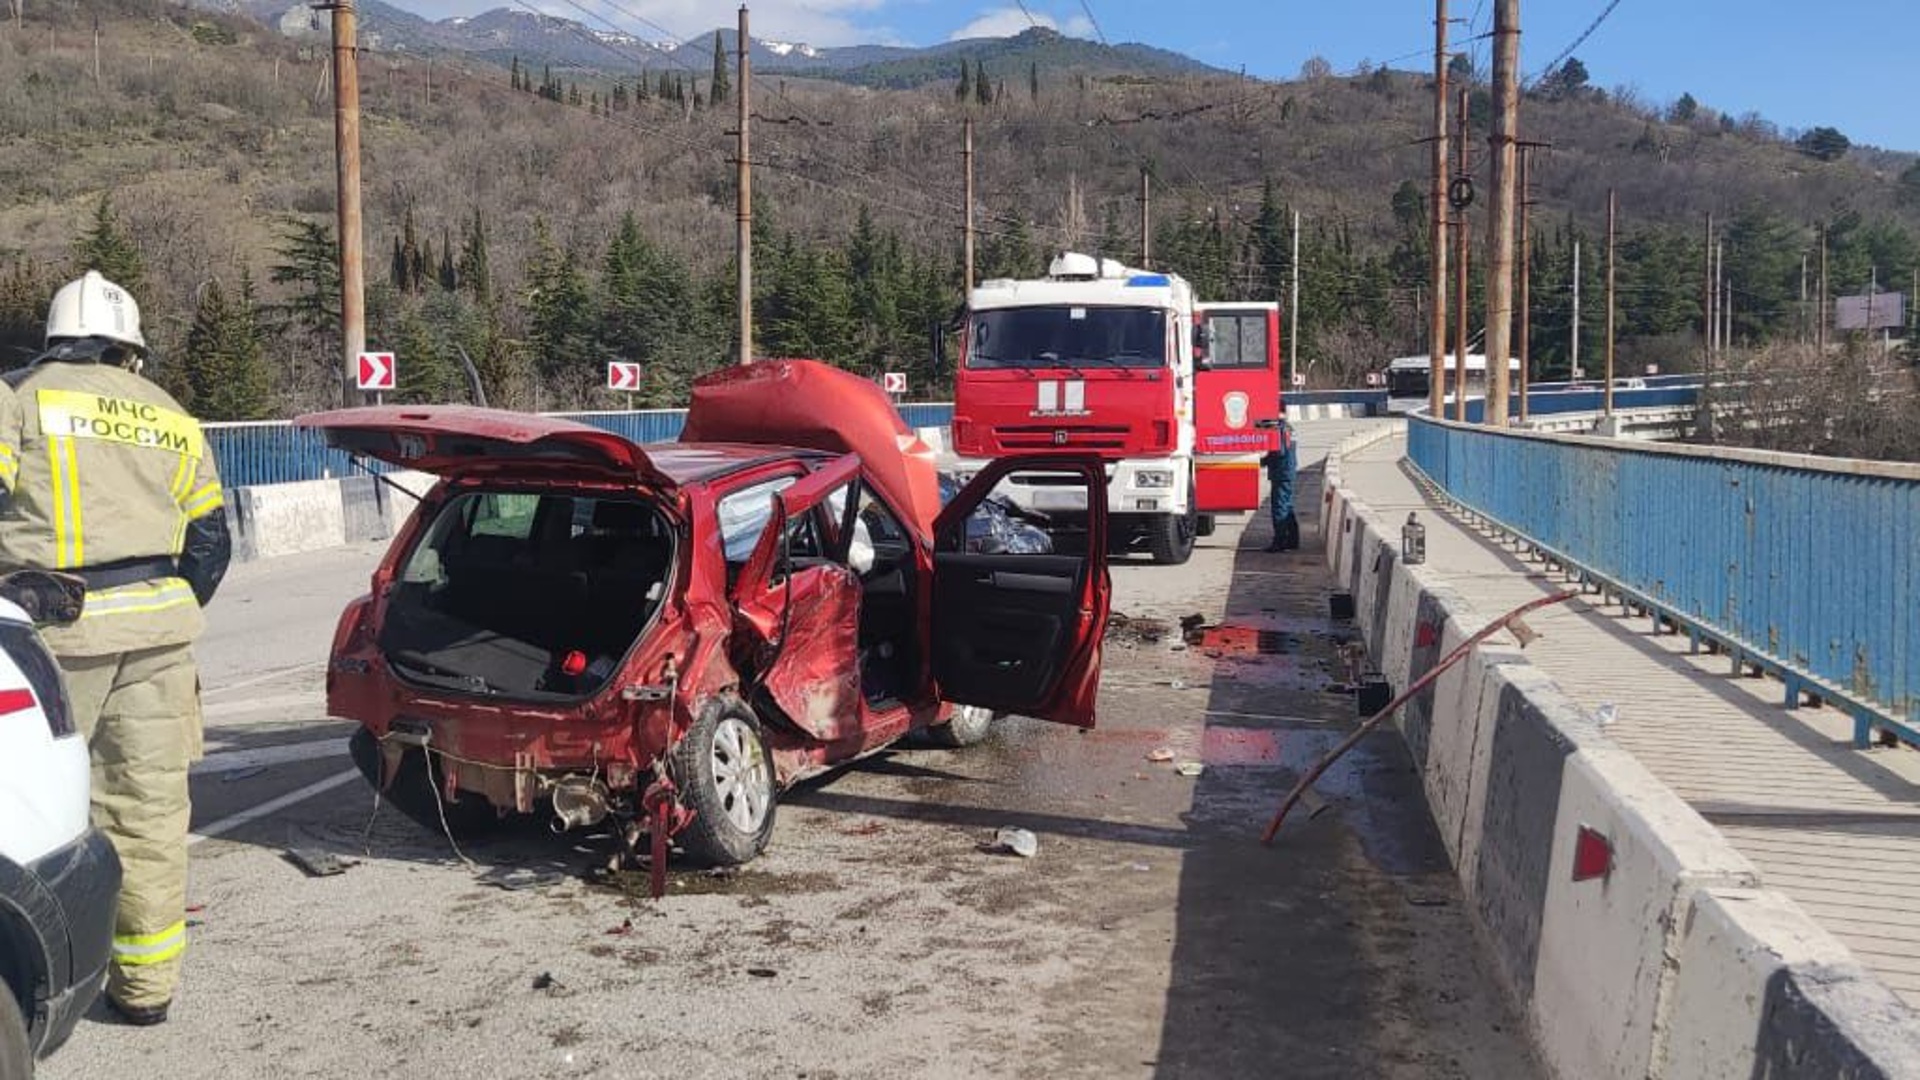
1039, 437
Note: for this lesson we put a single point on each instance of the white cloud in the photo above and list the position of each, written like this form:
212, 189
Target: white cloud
1008, 21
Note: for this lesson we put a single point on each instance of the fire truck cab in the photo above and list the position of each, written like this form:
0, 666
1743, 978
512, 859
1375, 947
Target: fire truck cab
1182, 399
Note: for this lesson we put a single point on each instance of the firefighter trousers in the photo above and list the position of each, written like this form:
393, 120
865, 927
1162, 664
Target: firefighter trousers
140, 714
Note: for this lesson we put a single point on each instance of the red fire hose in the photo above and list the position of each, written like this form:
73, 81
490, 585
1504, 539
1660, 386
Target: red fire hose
1420, 684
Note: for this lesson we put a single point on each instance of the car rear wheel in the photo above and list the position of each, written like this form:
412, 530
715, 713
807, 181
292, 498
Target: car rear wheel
16, 1055
968, 725
726, 778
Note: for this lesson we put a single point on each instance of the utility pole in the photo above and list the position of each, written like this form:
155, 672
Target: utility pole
1501, 142
743, 237
1709, 320
1573, 346
1438, 237
966, 228
1526, 280
1293, 303
1726, 311
1803, 300
346, 152
96, 50
1821, 314
1464, 312
1146, 219
1612, 232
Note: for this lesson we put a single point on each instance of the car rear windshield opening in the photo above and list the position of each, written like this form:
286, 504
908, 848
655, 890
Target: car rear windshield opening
527, 594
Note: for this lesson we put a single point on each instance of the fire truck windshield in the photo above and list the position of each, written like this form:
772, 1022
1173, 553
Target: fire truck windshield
1075, 337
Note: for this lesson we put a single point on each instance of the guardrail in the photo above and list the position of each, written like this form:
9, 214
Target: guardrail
1801, 565
275, 452
1368, 402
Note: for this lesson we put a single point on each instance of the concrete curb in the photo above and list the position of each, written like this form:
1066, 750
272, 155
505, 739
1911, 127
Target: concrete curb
1678, 963
285, 519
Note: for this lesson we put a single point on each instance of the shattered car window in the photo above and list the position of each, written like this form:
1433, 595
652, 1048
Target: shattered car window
743, 516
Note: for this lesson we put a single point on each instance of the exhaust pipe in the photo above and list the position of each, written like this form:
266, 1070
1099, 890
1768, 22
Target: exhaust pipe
578, 801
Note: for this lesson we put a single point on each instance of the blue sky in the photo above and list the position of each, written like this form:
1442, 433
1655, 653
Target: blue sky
1844, 63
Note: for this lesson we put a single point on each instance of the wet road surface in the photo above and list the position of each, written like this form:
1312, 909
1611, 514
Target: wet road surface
1151, 935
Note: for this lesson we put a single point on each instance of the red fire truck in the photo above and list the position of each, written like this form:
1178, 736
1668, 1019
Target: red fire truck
1182, 397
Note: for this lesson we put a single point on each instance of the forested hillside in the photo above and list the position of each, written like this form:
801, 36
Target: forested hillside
544, 224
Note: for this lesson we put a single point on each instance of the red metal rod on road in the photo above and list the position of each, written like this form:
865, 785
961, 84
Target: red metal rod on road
1420, 684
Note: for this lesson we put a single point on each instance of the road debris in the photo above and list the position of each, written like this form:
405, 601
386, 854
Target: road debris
242, 774
762, 972
518, 878
1160, 754
625, 927
1189, 768
546, 981
318, 863
1017, 842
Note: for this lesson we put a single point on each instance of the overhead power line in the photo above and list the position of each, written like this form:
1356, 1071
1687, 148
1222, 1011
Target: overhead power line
1579, 41
1101, 34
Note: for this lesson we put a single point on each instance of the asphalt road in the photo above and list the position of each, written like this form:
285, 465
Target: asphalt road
1151, 936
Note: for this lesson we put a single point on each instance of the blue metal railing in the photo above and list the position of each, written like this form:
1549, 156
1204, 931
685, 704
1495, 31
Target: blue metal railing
275, 452
1802, 565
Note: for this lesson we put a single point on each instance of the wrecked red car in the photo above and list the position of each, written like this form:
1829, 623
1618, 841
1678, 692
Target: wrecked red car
672, 634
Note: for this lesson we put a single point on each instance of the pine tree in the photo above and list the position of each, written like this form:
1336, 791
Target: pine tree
964, 91
514, 73
982, 88
25, 291
310, 263
1033, 80
106, 247
642, 89
559, 312
546, 81
223, 373
721, 85
665, 92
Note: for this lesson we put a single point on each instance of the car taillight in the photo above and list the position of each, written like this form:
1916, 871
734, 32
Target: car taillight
43, 679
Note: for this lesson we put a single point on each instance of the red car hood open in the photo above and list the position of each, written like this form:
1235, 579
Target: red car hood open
813, 405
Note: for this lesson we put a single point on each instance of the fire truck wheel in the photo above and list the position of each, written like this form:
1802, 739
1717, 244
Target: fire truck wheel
968, 726
1204, 525
726, 777
1172, 538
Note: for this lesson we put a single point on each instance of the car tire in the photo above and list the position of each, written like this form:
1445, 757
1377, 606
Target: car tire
16, 1051
1171, 539
969, 726
468, 816
726, 777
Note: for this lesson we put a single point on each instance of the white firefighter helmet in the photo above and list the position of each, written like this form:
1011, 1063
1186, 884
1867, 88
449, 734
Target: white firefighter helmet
93, 307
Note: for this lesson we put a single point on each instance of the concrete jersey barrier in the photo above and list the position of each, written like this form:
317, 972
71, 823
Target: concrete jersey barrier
1679, 963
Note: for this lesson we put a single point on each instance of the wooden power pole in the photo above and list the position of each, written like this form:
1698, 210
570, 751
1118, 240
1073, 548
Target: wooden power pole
1526, 279
346, 152
1146, 219
966, 227
1438, 237
1820, 310
1501, 142
1463, 311
1710, 322
743, 237
1612, 208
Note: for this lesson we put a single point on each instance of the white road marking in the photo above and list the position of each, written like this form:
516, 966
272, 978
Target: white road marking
223, 761
234, 821
268, 676
1263, 716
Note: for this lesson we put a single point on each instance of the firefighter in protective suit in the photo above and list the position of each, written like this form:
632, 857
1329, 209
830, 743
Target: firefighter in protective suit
107, 477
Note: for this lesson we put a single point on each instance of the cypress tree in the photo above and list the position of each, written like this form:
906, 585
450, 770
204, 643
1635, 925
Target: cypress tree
721, 86
1033, 80
965, 90
474, 272
982, 88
